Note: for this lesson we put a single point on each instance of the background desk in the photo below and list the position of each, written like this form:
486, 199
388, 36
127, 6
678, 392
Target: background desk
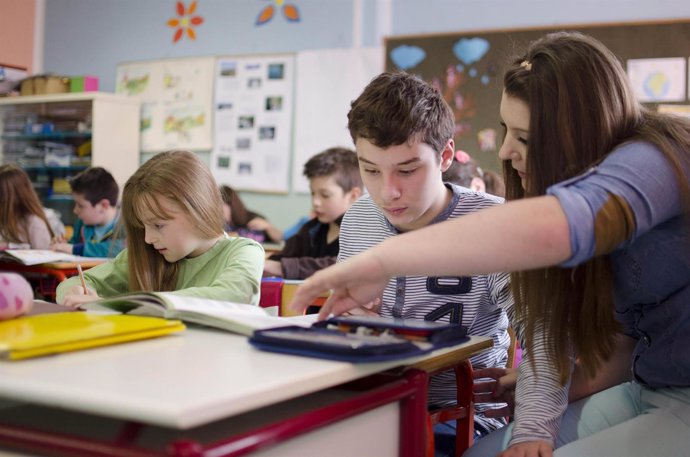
45, 277
189, 380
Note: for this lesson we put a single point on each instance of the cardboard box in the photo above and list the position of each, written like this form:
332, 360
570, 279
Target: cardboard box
83, 84
44, 84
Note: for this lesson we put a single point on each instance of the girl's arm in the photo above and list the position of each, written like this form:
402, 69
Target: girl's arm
39, 233
262, 225
519, 235
106, 280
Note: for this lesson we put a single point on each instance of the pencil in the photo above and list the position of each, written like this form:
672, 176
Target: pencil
81, 278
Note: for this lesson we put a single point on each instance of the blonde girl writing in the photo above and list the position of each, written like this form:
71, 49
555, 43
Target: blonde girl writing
173, 216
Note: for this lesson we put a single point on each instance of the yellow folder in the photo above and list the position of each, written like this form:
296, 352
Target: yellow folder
45, 334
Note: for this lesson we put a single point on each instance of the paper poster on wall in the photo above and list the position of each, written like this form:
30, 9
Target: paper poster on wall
680, 110
327, 82
176, 97
253, 122
658, 80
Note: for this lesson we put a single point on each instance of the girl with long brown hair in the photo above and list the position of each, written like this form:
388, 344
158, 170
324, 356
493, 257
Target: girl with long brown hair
598, 237
23, 221
173, 218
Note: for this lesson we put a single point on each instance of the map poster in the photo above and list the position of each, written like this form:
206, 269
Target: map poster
176, 101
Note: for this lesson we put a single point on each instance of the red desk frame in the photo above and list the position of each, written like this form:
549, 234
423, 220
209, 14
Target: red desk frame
408, 388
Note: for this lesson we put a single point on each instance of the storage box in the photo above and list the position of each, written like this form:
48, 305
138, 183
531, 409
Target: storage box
44, 84
83, 84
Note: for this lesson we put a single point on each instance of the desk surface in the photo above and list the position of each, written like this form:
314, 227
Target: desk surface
184, 380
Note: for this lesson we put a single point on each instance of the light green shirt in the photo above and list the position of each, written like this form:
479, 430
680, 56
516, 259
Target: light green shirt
229, 271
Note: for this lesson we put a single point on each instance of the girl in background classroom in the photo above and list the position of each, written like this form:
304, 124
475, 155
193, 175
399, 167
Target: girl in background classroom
173, 216
243, 222
23, 221
598, 238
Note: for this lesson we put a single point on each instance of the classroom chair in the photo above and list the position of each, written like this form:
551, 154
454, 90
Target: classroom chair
463, 411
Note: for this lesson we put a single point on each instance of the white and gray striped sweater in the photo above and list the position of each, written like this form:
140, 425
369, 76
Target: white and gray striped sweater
481, 302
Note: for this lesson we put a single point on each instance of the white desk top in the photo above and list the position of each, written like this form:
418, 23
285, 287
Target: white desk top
179, 381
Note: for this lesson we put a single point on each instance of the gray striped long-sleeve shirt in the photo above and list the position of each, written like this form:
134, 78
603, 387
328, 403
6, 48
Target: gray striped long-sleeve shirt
482, 302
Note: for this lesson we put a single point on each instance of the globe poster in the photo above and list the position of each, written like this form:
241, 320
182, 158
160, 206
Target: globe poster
658, 80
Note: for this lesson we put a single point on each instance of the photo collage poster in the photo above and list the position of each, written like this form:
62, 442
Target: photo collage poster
176, 96
253, 122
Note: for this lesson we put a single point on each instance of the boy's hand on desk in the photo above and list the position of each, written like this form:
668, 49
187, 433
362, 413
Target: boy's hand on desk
273, 268
61, 247
75, 296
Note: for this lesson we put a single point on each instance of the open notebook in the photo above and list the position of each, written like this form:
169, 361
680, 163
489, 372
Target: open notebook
44, 334
41, 256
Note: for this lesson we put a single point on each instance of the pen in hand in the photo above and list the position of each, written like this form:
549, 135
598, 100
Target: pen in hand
81, 278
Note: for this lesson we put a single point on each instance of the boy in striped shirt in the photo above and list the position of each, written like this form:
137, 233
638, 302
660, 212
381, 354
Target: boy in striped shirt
403, 134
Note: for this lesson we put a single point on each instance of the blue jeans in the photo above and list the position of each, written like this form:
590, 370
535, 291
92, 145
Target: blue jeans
444, 437
627, 420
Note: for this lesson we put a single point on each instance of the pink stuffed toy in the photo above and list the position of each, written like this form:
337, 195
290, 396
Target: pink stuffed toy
16, 296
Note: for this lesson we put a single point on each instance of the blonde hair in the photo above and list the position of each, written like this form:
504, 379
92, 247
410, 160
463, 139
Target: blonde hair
183, 179
18, 201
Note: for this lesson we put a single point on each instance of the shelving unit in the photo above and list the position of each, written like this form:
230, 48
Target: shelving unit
53, 137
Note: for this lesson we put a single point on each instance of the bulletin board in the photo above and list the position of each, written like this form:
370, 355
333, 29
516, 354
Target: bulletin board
253, 112
467, 67
176, 97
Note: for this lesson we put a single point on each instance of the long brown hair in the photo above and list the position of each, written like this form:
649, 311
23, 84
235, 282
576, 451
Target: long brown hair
581, 107
183, 179
18, 201
239, 214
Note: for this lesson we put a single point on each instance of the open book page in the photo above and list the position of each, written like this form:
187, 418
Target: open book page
40, 256
234, 317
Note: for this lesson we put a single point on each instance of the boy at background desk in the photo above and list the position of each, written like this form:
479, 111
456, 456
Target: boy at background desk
95, 195
335, 184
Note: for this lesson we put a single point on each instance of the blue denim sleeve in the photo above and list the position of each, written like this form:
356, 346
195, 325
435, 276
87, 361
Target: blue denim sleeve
633, 190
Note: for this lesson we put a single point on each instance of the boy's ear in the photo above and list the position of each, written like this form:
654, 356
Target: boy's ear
447, 155
355, 193
105, 203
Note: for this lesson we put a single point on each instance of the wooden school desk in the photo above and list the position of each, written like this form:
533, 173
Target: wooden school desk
206, 389
49, 275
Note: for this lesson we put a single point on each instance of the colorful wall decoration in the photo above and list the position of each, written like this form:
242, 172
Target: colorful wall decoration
176, 95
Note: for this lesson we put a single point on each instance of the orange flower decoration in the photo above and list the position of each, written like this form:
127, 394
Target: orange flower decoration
185, 21
290, 12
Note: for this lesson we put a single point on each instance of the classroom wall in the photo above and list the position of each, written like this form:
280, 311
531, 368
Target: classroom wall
93, 36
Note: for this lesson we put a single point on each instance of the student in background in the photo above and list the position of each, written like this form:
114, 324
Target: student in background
404, 144
598, 238
23, 223
95, 195
466, 172
239, 220
173, 217
335, 184
294, 228
493, 183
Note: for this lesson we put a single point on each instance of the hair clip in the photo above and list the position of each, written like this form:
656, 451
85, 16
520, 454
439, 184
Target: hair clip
526, 64
462, 156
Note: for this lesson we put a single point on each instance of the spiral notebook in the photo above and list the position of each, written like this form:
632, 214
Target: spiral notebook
45, 334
